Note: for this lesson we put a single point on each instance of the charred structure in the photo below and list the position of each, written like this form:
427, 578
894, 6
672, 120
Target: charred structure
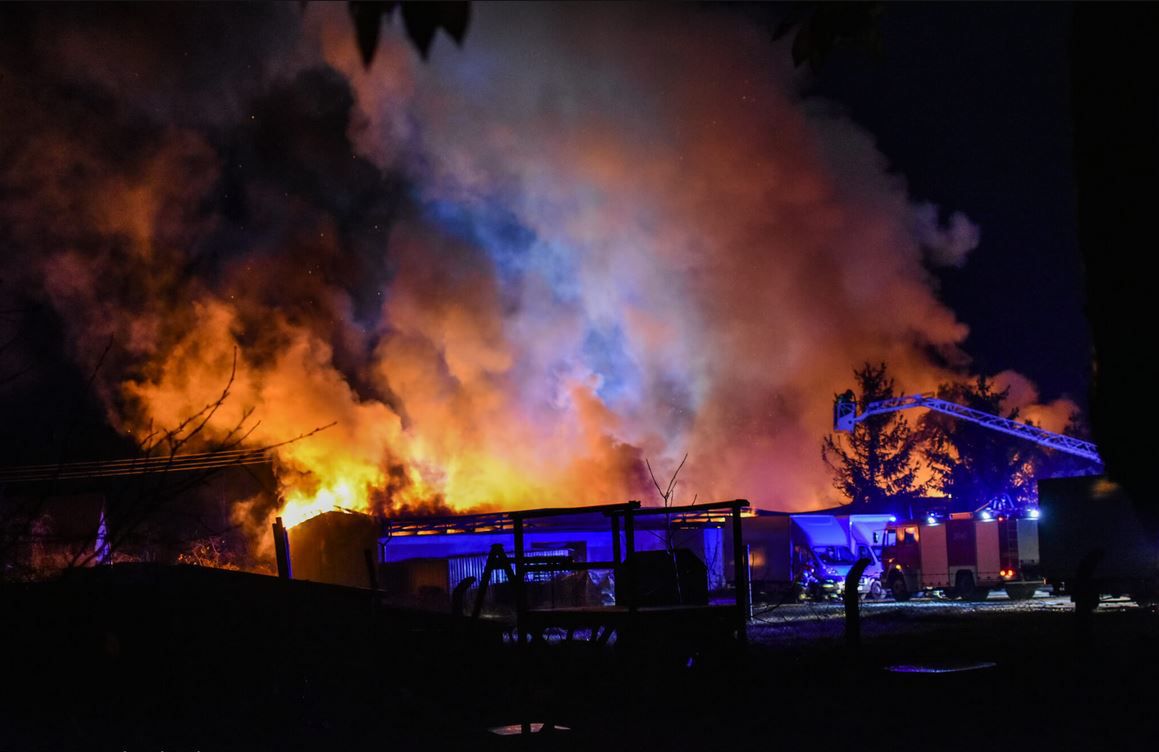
589, 567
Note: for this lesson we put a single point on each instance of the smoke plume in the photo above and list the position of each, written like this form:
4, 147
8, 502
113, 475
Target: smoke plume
593, 235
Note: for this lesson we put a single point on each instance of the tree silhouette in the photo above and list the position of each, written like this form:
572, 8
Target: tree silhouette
877, 460
421, 22
819, 28
973, 462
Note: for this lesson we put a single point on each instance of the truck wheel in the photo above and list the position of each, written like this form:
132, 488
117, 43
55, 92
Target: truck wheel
1020, 592
964, 585
980, 594
876, 591
898, 589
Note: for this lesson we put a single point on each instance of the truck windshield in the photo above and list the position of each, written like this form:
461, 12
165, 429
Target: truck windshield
834, 554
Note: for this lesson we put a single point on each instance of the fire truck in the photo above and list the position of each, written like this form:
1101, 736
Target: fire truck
967, 553
964, 555
847, 413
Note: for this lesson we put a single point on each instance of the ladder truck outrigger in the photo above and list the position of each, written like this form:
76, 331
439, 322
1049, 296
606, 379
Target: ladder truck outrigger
965, 554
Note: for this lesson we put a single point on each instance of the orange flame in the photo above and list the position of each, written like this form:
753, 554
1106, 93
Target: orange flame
700, 258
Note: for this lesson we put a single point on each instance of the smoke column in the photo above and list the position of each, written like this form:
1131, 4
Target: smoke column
592, 236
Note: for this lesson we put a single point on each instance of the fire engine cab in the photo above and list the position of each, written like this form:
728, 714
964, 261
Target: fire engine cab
965, 555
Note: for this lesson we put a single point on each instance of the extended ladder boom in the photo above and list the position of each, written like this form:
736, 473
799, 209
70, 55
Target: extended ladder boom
845, 417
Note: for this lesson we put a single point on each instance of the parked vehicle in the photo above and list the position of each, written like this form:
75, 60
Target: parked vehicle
866, 534
970, 555
1092, 519
964, 555
798, 555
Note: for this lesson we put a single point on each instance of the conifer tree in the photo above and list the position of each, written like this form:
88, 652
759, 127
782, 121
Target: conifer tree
878, 459
973, 462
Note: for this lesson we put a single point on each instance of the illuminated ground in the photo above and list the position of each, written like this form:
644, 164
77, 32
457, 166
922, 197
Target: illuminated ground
797, 622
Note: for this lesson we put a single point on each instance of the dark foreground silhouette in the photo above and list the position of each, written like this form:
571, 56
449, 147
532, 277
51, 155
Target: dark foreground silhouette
183, 658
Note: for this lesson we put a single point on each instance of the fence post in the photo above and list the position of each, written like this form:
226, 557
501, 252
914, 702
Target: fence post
853, 604
282, 549
740, 567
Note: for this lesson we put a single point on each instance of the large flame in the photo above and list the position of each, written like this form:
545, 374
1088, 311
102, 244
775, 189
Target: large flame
502, 278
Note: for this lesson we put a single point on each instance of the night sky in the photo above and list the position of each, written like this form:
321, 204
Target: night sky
970, 102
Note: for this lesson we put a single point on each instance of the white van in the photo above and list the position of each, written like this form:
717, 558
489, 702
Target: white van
866, 534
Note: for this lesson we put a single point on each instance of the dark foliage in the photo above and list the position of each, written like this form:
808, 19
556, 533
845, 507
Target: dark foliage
421, 21
822, 27
877, 461
974, 462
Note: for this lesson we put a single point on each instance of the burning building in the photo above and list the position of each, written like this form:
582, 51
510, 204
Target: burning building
511, 272
574, 555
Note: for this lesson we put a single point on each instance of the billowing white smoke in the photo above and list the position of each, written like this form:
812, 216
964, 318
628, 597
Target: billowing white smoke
675, 235
594, 235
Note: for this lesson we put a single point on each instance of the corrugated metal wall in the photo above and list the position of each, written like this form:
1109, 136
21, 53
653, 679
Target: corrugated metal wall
472, 565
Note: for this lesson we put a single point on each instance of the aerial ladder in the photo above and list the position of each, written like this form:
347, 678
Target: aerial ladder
846, 417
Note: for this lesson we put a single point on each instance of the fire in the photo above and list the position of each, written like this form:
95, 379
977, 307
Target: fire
343, 494
332, 449
492, 284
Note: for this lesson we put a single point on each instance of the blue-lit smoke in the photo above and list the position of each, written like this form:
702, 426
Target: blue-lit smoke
665, 259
